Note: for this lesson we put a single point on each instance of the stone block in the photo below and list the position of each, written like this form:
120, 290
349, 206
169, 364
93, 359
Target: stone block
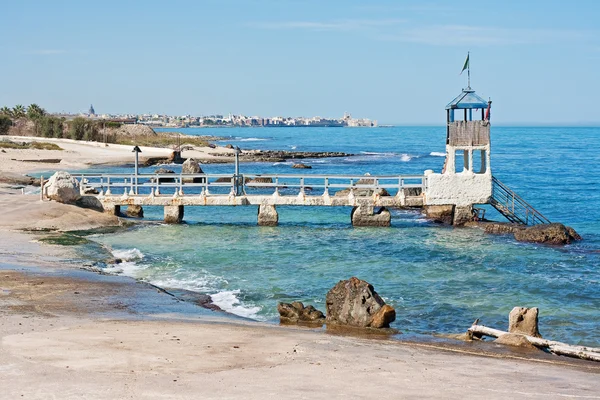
524, 321
366, 216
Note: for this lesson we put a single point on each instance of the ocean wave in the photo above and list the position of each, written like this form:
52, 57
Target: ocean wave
374, 153
252, 139
127, 268
128, 254
437, 154
228, 301
406, 157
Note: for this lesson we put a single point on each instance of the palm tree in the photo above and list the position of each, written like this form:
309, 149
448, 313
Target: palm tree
7, 112
19, 111
34, 111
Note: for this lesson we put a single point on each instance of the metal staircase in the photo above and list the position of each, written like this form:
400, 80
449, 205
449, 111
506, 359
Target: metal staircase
513, 207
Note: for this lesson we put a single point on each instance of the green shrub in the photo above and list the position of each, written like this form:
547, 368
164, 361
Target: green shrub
5, 124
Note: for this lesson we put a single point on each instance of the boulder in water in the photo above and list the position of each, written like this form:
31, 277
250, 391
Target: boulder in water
301, 166
555, 233
355, 302
162, 171
63, 188
524, 321
191, 166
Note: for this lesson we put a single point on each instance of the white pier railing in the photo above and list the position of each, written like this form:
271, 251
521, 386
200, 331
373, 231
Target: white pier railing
244, 184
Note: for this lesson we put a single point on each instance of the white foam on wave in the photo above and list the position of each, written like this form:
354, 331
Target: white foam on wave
127, 268
228, 301
437, 154
253, 139
405, 157
374, 153
128, 254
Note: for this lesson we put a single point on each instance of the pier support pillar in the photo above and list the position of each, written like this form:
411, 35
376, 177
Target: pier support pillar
366, 216
462, 215
112, 209
173, 214
267, 215
135, 211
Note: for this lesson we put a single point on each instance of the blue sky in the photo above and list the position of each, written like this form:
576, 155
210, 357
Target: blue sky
395, 61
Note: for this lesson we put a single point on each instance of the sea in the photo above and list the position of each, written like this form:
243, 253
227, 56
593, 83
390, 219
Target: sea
438, 278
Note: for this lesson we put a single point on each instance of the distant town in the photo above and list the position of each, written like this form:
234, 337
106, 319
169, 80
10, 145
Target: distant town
189, 121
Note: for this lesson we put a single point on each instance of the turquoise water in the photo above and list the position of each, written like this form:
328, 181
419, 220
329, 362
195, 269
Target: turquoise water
439, 279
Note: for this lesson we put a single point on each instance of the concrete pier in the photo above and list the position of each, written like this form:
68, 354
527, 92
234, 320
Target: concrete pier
366, 215
267, 215
173, 214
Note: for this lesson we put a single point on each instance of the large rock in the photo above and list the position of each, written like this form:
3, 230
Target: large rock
191, 166
135, 211
162, 171
296, 312
443, 214
354, 302
524, 321
367, 216
301, 166
516, 340
555, 233
62, 187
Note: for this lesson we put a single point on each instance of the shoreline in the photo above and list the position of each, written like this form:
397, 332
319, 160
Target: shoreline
61, 323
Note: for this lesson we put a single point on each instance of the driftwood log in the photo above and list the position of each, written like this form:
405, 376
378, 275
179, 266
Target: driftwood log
583, 352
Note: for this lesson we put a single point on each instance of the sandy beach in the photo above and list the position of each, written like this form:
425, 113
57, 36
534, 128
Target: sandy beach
68, 333
78, 155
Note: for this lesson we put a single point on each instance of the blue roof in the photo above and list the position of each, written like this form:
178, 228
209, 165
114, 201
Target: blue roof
467, 99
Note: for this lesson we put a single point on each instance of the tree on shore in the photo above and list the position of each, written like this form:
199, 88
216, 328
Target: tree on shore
19, 111
83, 129
5, 124
5, 111
34, 112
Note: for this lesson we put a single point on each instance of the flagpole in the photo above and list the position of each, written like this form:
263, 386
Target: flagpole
469, 69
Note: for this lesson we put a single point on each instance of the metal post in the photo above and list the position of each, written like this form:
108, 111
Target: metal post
136, 150
136, 171
237, 179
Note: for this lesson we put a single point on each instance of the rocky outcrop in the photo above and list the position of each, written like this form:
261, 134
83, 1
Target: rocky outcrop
363, 192
524, 321
355, 302
296, 312
17, 179
260, 179
554, 233
301, 166
191, 166
367, 216
63, 188
443, 214
135, 211
162, 171
516, 340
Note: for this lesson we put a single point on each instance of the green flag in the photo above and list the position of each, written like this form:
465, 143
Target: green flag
466, 65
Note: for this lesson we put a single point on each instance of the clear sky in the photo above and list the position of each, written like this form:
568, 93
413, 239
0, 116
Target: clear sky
395, 61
